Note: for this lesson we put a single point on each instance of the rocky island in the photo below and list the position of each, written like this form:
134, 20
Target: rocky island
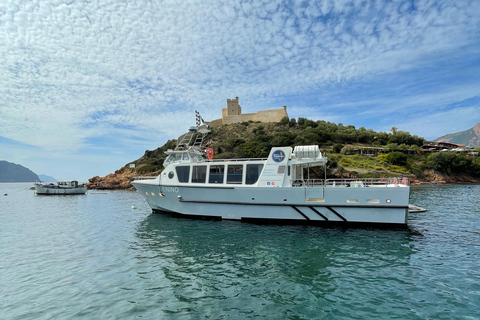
352, 153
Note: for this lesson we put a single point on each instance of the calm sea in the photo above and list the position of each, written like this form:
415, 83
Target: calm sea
94, 257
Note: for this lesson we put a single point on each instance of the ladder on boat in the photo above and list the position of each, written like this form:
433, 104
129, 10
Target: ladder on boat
191, 139
195, 135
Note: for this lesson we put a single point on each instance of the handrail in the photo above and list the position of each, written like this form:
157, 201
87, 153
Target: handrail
235, 160
360, 182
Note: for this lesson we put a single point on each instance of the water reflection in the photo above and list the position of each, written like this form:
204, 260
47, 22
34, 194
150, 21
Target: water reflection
203, 263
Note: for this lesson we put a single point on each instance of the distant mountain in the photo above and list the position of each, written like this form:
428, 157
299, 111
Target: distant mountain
470, 137
11, 172
45, 178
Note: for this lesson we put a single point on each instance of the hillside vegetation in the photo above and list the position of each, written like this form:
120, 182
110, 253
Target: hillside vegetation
399, 152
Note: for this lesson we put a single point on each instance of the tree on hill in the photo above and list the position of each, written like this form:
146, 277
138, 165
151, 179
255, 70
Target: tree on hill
255, 139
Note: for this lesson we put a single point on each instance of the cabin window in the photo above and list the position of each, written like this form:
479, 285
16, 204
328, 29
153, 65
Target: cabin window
234, 173
174, 157
185, 156
199, 174
253, 173
216, 174
183, 173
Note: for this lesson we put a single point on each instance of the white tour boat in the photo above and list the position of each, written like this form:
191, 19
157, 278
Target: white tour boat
276, 189
65, 187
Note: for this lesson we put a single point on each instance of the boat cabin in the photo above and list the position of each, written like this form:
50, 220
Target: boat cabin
67, 184
281, 168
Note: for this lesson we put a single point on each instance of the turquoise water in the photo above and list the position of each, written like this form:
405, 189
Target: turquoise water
94, 257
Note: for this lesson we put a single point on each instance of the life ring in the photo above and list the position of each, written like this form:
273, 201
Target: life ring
210, 154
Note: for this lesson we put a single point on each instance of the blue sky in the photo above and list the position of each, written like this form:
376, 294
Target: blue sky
88, 86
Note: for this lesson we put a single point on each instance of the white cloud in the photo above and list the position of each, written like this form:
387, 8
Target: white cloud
86, 68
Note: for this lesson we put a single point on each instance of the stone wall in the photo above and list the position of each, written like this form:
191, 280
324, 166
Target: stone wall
274, 115
215, 123
233, 114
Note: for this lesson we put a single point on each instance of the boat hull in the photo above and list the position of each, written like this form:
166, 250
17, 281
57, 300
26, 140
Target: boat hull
40, 190
319, 205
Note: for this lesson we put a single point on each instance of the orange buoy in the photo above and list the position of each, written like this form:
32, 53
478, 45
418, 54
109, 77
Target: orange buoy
210, 154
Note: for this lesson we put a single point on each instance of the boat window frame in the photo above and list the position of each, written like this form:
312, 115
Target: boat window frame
221, 174
249, 174
173, 157
181, 175
235, 174
196, 168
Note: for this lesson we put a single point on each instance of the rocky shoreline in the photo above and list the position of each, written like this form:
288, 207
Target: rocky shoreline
120, 180
432, 177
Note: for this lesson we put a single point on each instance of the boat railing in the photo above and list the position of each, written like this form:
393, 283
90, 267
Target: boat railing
45, 184
360, 182
237, 160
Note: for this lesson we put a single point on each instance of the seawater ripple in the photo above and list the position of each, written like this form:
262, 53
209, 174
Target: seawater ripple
93, 256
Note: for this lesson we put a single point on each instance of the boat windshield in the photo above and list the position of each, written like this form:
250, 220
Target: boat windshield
174, 157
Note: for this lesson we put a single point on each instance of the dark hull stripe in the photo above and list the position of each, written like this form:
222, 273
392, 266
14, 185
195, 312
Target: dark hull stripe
317, 212
296, 209
337, 214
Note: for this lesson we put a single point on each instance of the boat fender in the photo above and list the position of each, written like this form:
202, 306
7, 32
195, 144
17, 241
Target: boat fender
210, 154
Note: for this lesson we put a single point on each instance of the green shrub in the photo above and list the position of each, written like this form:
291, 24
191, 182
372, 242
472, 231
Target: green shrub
149, 169
397, 158
251, 149
225, 155
337, 147
396, 168
450, 163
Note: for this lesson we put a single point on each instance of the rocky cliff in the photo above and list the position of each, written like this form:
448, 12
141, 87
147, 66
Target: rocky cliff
119, 180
